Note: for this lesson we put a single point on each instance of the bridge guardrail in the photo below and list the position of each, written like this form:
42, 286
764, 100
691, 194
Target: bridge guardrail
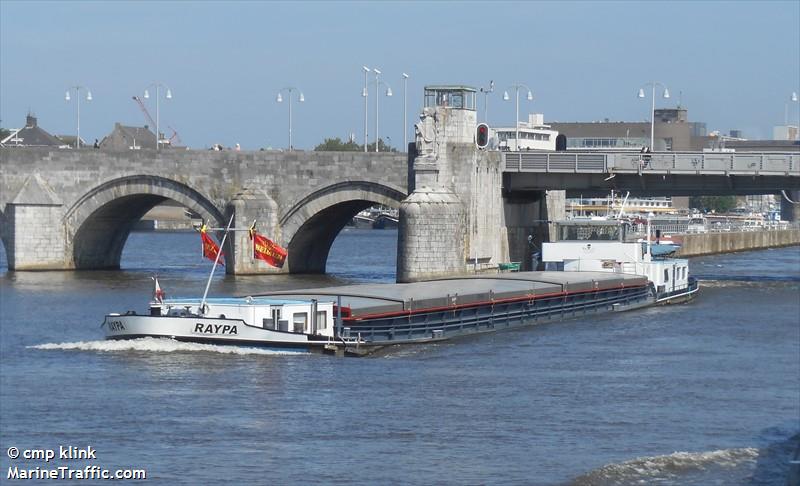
640, 230
700, 163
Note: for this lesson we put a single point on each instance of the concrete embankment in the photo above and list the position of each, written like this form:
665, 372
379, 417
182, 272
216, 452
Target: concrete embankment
712, 243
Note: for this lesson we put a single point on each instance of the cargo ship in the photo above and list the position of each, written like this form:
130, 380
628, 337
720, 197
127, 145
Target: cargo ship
591, 270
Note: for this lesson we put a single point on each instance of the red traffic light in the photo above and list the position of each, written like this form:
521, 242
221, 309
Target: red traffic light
482, 135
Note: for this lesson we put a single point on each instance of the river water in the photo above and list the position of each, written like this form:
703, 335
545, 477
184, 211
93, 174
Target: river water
700, 393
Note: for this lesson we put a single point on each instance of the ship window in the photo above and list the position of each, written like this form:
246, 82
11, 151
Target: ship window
273, 323
666, 275
554, 266
299, 320
322, 320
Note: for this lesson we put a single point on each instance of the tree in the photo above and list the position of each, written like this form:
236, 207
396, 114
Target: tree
337, 145
4, 133
718, 204
382, 146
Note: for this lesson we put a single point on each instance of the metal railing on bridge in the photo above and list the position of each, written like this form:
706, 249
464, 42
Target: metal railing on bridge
718, 226
691, 163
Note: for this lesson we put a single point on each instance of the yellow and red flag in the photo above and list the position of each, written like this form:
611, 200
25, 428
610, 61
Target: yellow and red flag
210, 248
267, 250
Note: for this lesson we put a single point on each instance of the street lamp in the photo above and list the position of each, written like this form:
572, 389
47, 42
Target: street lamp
405, 112
300, 99
653, 108
793, 99
506, 98
78, 103
365, 94
486, 92
377, 99
168, 96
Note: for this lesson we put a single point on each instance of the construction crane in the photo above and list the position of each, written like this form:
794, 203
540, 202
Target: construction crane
174, 138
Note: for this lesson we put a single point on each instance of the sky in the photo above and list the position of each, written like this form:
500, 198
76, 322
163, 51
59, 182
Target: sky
733, 65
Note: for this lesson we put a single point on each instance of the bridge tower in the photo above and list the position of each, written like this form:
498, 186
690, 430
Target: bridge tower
439, 225
457, 219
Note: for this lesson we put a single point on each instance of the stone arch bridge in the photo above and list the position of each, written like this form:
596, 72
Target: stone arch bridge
74, 209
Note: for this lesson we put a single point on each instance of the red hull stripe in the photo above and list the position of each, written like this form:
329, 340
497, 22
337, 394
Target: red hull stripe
522, 298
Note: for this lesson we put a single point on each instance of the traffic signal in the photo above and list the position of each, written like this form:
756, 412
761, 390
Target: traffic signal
482, 135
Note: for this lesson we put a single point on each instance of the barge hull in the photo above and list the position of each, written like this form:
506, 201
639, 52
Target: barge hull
376, 316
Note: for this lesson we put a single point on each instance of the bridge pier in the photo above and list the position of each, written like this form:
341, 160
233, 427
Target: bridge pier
246, 207
33, 231
453, 221
430, 241
790, 211
529, 223
460, 217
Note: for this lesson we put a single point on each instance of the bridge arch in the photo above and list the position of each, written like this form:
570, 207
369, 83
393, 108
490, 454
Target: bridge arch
97, 225
312, 224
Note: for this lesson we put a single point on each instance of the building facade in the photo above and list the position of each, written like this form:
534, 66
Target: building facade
31, 135
672, 132
129, 138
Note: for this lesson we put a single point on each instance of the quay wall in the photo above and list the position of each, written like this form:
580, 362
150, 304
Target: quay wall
727, 242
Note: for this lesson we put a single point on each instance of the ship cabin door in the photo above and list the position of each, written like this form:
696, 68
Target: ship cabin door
276, 318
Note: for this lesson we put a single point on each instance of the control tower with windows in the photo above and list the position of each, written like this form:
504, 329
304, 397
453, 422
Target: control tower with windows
448, 117
455, 110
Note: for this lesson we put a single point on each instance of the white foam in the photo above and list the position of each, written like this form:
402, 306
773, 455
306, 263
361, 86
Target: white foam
669, 466
156, 345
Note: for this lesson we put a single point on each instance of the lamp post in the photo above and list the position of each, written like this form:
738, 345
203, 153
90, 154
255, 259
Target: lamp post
168, 96
486, 92
653, 108
78, 103
793, 99
365, 94
377, 103
300, 99
506, 98
405, 112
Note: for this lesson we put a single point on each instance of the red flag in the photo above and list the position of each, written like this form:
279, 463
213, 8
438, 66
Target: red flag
158, 294
267, 250
210, 249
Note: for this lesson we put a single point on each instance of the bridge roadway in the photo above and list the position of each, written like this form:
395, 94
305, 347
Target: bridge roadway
655, 174
74, 209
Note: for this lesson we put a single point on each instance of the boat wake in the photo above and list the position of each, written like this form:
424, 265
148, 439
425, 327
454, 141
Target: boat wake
747, 278
735, 465
156, 345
